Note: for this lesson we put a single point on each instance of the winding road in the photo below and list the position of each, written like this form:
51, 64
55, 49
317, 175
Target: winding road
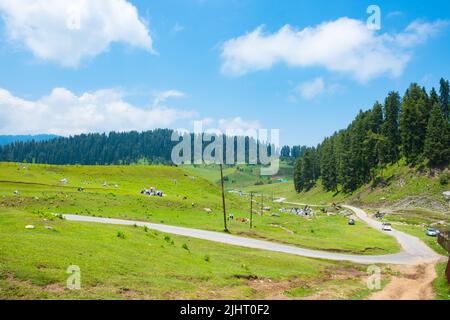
413, 250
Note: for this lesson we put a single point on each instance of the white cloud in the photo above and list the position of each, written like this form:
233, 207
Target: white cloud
64, 113
68, 31
344, 45
418, 32
311, 89
164, 95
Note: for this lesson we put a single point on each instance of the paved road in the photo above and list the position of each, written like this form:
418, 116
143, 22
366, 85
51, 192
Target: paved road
413, 251
410, 244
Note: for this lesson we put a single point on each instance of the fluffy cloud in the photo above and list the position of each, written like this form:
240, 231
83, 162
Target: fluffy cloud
344, 45
164, 95
311, 89
68, 31
64, 113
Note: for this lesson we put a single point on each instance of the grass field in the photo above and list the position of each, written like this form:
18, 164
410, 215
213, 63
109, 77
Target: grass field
115, 192
145, 264
240, 176
440, 285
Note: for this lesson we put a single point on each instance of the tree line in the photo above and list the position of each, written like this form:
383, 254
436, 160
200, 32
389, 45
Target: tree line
115, 148
415, 126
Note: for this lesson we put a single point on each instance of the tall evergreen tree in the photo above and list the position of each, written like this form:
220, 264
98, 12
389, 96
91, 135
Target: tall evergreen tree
437, 142
390, 127
299, 184
444, 98
412, 122
328, 165
376, 121
434, 98
285, 152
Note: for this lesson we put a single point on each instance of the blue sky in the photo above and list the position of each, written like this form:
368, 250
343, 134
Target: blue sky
180, 61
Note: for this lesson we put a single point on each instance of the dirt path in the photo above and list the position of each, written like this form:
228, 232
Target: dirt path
412, 283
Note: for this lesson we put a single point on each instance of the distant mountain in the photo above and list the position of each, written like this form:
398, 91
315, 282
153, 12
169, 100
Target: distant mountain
4, 140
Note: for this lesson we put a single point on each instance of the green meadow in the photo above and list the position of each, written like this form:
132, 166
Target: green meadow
145, 264
114, 191
119, 262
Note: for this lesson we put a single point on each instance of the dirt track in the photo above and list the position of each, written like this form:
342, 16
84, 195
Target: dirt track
412, 283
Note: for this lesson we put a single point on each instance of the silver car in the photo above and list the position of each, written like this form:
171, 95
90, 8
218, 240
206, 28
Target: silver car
432, 232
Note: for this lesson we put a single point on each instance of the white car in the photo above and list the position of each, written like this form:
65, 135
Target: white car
432, 232
386, 227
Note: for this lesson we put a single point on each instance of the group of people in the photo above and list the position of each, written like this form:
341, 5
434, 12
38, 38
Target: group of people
152, 192
307, 211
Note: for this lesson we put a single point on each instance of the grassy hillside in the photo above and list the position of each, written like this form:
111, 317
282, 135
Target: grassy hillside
119, 262
114, 191
145, 264
241, 176
399, 186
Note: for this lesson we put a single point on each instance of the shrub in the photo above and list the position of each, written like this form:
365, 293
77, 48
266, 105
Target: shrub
185, 246
443, 180
206, 258
120, 235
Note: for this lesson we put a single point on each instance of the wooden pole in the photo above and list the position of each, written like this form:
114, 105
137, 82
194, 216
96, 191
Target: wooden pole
251, 210
223, 200
262, 204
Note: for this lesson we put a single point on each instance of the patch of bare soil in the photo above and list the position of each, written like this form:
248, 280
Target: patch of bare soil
412, 283
325, 287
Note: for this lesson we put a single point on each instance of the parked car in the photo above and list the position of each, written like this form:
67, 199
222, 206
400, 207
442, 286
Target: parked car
351, 222
386, 227
432, 232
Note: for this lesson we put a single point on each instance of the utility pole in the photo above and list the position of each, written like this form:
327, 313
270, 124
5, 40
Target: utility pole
262, 204
251, 210
223, 200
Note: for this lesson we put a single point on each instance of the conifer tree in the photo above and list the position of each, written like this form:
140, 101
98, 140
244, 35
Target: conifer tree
437, 142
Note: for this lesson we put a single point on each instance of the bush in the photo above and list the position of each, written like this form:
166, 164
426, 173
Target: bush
185, 246
443, 180
120, 235
207, 258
